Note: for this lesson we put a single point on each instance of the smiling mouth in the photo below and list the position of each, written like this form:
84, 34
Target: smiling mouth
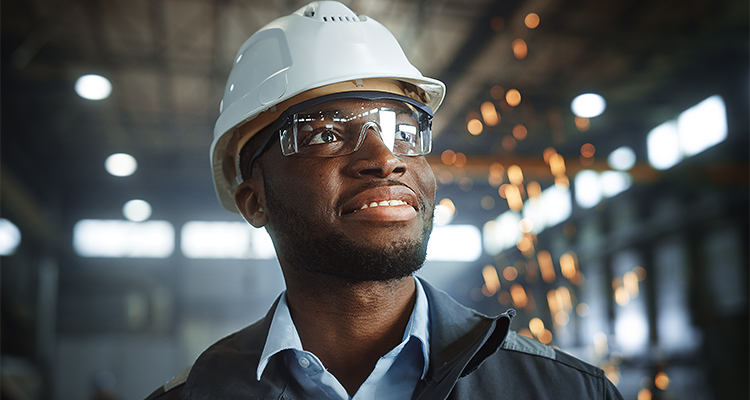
384, 203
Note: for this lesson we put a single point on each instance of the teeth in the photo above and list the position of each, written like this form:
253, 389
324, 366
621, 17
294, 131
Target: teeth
384, 203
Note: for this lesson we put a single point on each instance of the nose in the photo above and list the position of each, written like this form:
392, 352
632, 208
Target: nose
374, 159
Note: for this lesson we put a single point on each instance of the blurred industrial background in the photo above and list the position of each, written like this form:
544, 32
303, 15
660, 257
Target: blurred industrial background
619, 231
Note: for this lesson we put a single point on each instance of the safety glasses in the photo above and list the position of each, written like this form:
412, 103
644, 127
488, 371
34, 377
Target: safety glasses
336, 125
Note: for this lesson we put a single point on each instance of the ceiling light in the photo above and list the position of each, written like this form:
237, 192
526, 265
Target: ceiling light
588, 192
121, 164
455, 243
93, 87
224, 239
588, 105
703, 125
137, 210
622, 158
117, 238
10, 237
664, 146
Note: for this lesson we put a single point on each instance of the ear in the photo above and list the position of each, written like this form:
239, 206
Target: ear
251, 202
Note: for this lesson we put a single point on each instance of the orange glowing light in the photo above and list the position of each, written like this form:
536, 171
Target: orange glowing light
563, 294
531, 20
519, 50
536, 326
644, 394
557, 164
546, 337
546, 266
491, 279
562, 182
518, 294
526, 245
513, 195
622, 297
548, 153
510, 273
562, 318
474, 126
525, 225
588, 150
534, 189
641, 272
501, 190
497, 169
661, 381
525, 332
513, 97
448, 157
460, 160
497, 92
568, 265
515, 175
583, 124
630, 282
520, 132
489, 114
553, 301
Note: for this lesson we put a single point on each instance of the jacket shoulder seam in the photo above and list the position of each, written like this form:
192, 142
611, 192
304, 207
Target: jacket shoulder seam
522, 344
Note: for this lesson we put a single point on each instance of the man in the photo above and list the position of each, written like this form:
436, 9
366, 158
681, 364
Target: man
321, 139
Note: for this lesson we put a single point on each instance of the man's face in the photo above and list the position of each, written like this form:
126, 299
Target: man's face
361, 217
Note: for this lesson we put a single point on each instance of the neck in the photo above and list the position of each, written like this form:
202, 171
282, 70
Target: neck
349, 326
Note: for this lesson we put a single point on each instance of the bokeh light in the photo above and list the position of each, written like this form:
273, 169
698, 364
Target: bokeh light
588, 105
93, 87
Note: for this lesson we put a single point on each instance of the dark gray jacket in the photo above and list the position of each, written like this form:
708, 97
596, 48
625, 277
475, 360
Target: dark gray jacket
472, 356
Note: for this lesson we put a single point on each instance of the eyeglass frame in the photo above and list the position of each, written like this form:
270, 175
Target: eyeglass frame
284, 119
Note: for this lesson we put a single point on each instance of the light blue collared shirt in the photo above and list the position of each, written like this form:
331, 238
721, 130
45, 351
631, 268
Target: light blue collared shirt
395, 375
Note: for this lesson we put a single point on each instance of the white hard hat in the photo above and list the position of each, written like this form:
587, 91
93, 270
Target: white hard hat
321, 45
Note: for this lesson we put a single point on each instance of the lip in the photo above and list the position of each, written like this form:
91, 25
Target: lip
353, 207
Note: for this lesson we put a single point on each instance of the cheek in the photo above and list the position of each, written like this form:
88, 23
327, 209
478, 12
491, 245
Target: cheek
427, 182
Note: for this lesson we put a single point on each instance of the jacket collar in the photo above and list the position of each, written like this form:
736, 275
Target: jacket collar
460, 339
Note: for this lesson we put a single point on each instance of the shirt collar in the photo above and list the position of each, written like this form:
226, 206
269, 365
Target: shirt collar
283, 335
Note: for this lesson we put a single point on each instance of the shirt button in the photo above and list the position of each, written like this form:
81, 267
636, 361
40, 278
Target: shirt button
303, 362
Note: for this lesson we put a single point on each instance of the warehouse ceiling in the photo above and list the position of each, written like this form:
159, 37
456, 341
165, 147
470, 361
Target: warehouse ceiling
168, 61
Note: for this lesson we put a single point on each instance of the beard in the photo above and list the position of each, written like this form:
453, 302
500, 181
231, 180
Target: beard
336, 255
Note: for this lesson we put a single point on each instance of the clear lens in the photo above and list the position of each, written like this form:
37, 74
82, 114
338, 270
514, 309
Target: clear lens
338, 127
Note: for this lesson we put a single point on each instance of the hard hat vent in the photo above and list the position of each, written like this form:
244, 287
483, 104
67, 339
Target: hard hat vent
341, 19
330, 11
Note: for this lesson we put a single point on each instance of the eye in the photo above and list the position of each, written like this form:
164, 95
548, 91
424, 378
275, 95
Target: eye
324, 136
408, 133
